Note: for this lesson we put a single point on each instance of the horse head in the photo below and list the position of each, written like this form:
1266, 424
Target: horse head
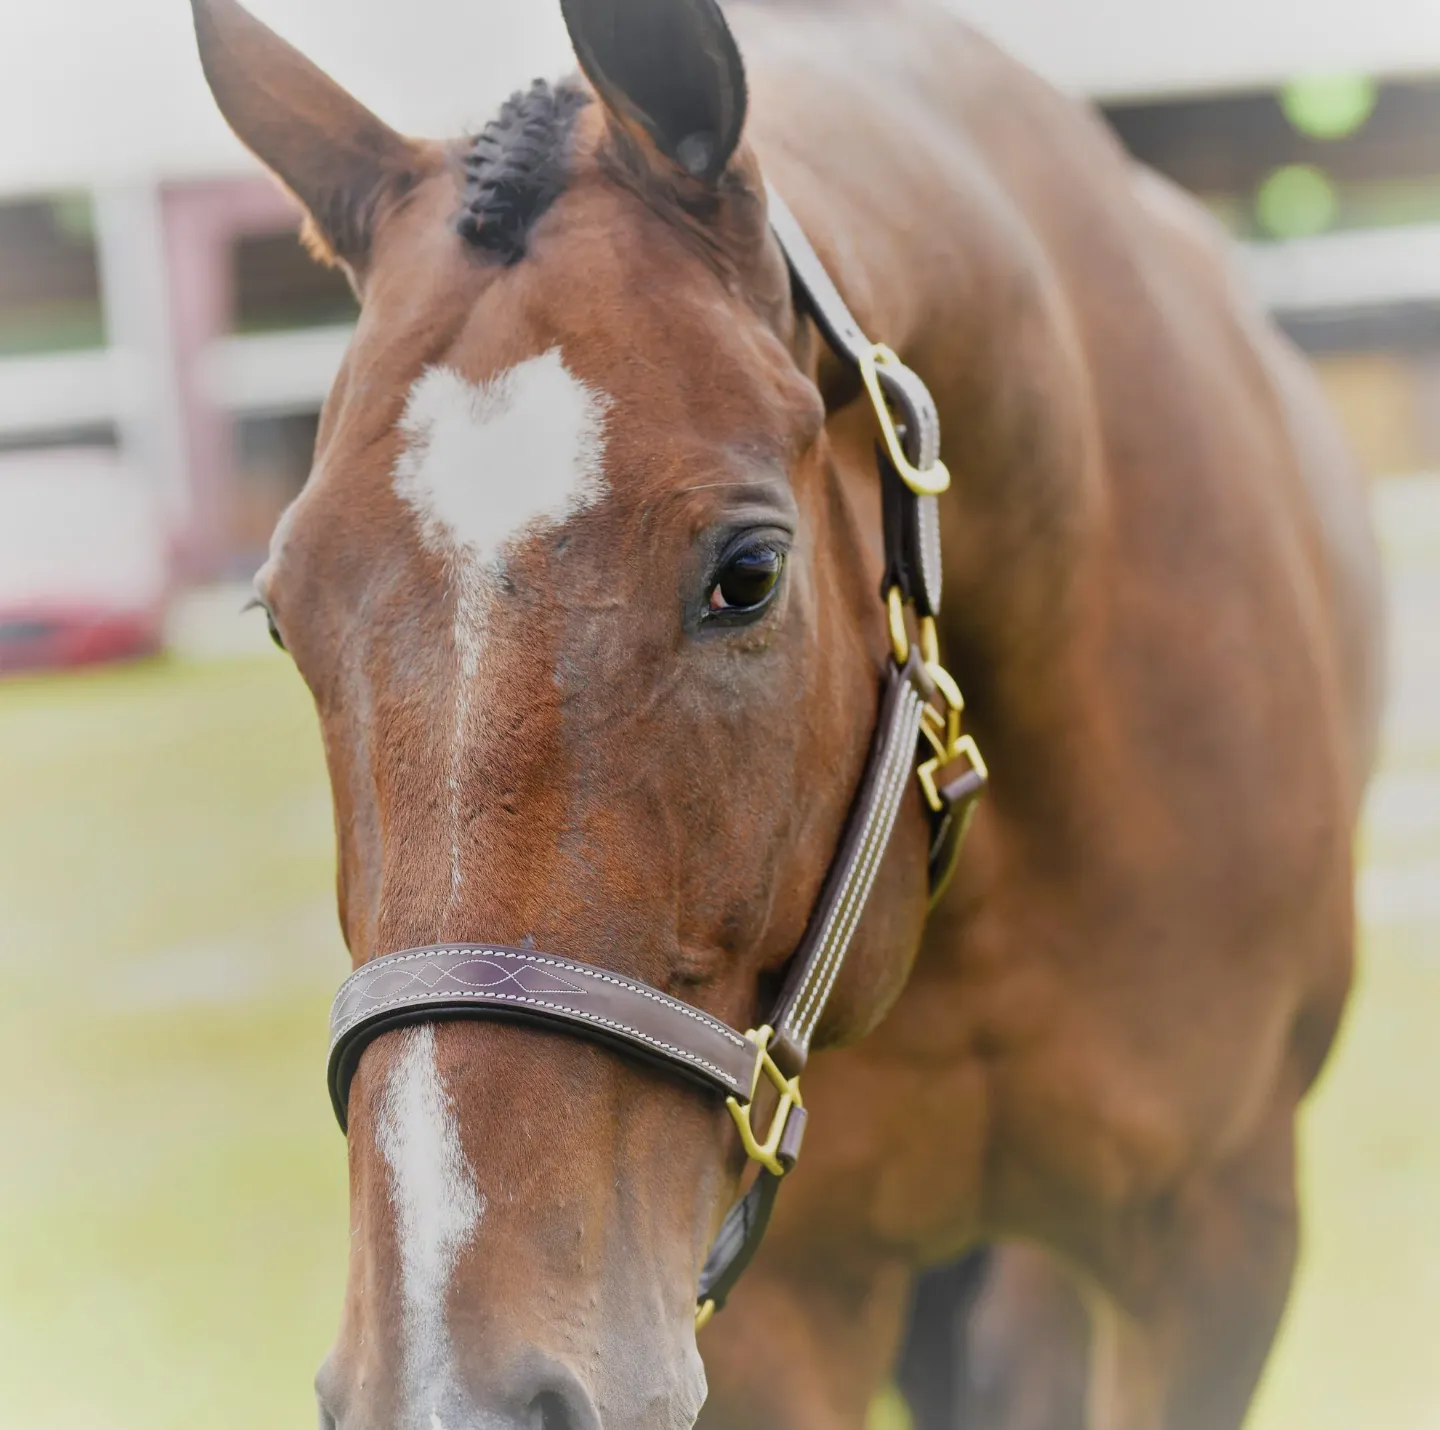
589, 615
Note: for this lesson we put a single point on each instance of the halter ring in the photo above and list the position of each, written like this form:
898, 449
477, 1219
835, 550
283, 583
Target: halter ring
929, 483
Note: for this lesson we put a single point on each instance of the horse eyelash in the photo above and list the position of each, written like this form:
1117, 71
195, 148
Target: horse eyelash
256, 604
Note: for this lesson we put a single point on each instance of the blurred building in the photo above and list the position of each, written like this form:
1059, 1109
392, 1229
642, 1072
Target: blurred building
154, 302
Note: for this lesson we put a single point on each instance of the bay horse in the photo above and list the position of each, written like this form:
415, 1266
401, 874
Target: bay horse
585, 583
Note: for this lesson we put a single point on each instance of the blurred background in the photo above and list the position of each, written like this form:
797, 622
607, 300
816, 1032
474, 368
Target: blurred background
172, 1189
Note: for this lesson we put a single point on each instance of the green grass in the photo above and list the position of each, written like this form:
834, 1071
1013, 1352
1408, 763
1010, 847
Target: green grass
172, 1199
1359, 1345
172, 1205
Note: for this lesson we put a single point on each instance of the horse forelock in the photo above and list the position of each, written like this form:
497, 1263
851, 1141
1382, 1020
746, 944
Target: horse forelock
517, 166
526, 158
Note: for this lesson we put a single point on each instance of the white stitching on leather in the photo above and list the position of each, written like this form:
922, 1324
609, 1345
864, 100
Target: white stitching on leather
805, 994
852, 882
864, 882
370, 970
860, 876
684, 1054
891, 790
931, 569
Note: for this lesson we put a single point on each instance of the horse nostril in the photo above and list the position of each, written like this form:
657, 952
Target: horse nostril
552, 1410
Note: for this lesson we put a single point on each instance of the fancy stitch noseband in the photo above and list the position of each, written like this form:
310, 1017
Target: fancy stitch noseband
919, 715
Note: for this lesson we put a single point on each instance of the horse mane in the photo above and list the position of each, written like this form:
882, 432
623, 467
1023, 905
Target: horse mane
517, 166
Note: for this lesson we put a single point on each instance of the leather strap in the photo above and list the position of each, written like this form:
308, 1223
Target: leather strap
960, 790
744, 1226
912, 522
912, 540
889, 773
449, 981
912, 532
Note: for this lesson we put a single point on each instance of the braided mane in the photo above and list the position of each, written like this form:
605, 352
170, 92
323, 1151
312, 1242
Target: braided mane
517, 167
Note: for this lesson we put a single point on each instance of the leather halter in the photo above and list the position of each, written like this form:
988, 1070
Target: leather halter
919, 715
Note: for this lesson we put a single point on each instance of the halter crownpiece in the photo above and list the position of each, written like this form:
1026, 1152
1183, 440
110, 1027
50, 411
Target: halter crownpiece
920, 710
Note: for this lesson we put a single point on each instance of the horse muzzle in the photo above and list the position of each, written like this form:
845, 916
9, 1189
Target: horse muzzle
530, 1390
539, 1395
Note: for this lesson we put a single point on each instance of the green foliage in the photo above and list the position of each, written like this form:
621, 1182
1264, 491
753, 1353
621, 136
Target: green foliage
1296, 200
1330, 106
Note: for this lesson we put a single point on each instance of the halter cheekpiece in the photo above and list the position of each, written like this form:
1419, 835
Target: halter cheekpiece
917, 735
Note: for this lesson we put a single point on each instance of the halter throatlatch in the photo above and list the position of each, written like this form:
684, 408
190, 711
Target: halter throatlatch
917, 736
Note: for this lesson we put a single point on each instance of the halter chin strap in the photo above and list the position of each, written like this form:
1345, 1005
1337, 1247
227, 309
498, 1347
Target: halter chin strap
919, 715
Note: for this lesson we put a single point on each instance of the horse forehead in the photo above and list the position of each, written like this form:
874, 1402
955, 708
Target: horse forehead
483, 463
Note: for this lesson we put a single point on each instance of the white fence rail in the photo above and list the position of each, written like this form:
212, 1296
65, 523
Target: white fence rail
275, 374
263, 375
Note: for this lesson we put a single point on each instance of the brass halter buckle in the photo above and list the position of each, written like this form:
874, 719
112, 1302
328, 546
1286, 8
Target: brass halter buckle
929, 483
940, 729
766, 1153
943, 731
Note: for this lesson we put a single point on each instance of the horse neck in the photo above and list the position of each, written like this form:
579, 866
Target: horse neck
1023, 521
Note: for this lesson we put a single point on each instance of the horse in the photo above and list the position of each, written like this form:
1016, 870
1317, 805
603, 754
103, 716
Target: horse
584, 581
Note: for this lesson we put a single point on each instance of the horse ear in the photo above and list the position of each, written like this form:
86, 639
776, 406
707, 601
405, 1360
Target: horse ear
670, 66
336, 157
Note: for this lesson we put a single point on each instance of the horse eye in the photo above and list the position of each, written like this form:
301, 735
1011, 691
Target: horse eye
747, 580
274, 630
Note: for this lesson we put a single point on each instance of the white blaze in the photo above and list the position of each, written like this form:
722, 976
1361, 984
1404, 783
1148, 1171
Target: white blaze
484, 466
436, 1204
